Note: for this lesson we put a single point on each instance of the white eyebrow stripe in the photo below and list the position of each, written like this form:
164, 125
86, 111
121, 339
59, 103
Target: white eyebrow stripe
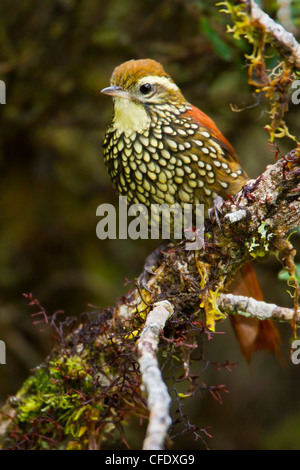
155, 80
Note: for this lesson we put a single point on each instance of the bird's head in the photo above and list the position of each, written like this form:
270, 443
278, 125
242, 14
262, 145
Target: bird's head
138, 86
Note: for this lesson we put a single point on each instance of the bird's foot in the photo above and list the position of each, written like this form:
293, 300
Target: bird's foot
215, 211
151, 261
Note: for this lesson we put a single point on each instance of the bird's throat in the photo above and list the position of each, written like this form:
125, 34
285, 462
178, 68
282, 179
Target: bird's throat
130, 117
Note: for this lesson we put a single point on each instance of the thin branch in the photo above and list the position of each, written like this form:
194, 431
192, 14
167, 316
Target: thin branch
233, 304
280, 35
158, 397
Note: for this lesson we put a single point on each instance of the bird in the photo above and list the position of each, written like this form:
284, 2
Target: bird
161, 149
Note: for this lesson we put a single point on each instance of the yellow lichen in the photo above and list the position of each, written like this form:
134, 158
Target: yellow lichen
273, 83
209, 297
213, 313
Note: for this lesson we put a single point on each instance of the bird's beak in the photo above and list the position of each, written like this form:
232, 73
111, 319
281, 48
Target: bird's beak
115, 91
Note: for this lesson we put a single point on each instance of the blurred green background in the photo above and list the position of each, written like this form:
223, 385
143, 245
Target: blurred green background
55, 57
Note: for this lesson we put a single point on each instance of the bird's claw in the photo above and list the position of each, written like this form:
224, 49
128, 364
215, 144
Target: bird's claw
143, 279
216, 211
151, 261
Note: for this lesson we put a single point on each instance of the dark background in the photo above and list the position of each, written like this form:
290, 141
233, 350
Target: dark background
55, 57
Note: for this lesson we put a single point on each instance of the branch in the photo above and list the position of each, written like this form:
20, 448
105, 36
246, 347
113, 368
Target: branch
283, 38
264, 35
158, 397
255, 222
233, 304
91, 382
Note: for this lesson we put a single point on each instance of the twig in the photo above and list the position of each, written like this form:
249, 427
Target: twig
280, 35
232, 304
158, 397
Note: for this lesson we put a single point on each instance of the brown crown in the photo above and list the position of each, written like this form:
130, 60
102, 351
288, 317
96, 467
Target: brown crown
128, 73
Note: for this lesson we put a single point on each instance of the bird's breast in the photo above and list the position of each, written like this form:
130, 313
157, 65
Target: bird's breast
172, 160
129, 117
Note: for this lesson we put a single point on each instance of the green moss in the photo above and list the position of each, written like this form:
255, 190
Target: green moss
56, 395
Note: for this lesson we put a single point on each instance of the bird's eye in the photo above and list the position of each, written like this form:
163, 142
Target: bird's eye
146, 88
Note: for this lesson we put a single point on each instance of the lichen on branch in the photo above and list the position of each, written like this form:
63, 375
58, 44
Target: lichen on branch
90, 385
274, 62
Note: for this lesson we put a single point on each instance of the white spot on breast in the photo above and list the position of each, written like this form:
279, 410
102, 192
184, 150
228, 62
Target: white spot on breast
146, 185
186, 159
137, 146
132, 165
184, 196
205, 134
179, 171
166, 154
198, 142
172, 144
151, 166
153, 141
146, 157
143, 168
192, 183
138, 175
187, 145
162, 178
169, 199
152, 175
120, 145
144, 140
168, 173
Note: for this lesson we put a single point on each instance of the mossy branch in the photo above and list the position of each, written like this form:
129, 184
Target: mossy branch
90, 384
268, 39
158, 397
